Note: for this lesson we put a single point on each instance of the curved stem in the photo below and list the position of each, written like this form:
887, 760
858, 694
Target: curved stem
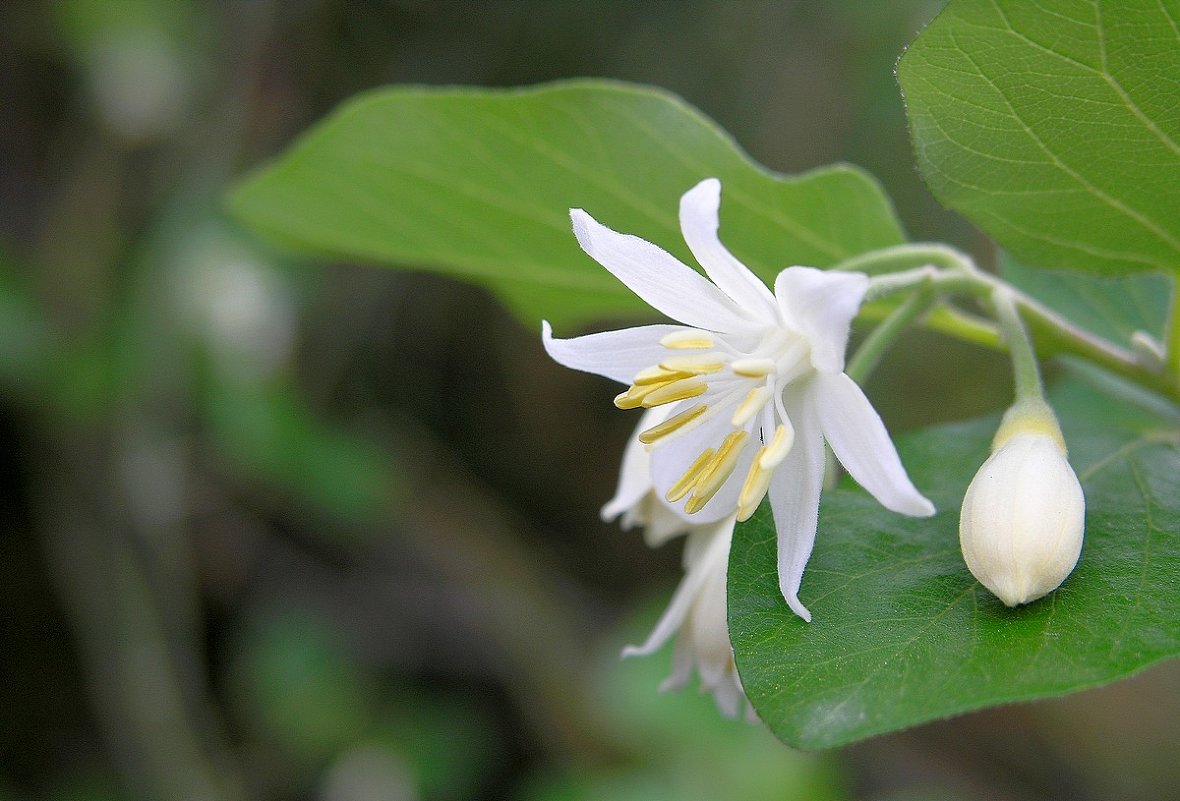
869, 354
900, 257
903, 267
1025, 371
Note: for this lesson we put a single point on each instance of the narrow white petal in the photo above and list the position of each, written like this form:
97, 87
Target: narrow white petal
635, 474
821, 305
728, 695
618, 355
858, 438
683, 600
699, 223
682, 665
662, 523
658, 277
708, 623
794, 500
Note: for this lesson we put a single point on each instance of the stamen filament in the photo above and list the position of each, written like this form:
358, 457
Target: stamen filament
719, 469
689, 480
688, 339
779, 446
680, 389
672, 424
752, 368
749, 407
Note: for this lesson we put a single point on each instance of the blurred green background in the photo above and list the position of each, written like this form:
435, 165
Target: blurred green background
272, 529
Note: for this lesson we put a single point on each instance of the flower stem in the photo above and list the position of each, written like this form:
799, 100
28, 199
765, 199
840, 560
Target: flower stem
1024, 359
902, 268
900, 257
869, 354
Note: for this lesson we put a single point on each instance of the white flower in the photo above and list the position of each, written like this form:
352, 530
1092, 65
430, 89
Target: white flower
1024, 514
697, 612
697, 615
754, 382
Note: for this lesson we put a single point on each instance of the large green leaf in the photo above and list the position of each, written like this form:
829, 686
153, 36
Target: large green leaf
902, 632
478, 183
1055, 127
1113, 308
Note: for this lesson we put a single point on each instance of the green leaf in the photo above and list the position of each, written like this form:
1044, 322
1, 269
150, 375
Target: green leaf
1112, 308
903, 634
478, 183
1055, 127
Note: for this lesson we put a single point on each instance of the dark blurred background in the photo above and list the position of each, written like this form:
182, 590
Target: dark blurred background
272, 529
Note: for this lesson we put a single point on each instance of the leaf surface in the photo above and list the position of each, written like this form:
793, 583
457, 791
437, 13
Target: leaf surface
902, 632
1055, 127
1112, 308
478, 183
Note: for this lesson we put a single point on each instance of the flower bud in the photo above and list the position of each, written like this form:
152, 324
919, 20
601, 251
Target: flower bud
1024, 513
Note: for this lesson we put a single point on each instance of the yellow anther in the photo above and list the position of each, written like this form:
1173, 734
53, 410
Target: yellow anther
631, 399
754, 401
680, 389
696, 364
754, 488
752, 368
688, 339
689, 480
647, 382
672, 424
777, 449
719, 469
656, 375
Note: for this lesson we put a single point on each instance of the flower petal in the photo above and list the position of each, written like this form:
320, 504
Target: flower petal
685, 596
708, 624
794, 500
728, 694
618, 355
635, 474
858, 438
698, 223
682, 665
820, 304
658, 277
662, 523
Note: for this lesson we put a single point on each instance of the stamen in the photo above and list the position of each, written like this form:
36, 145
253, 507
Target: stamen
720, 468
687, 481
629, 399
657, 375
754, 401
672, 424
752, 368
754, 489
688, 339
637, 393
777, 449
680, 389
697, 364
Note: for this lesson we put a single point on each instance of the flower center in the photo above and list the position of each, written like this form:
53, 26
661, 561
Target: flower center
746, 384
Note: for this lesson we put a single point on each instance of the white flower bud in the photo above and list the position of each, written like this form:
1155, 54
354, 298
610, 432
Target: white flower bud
1024, 513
